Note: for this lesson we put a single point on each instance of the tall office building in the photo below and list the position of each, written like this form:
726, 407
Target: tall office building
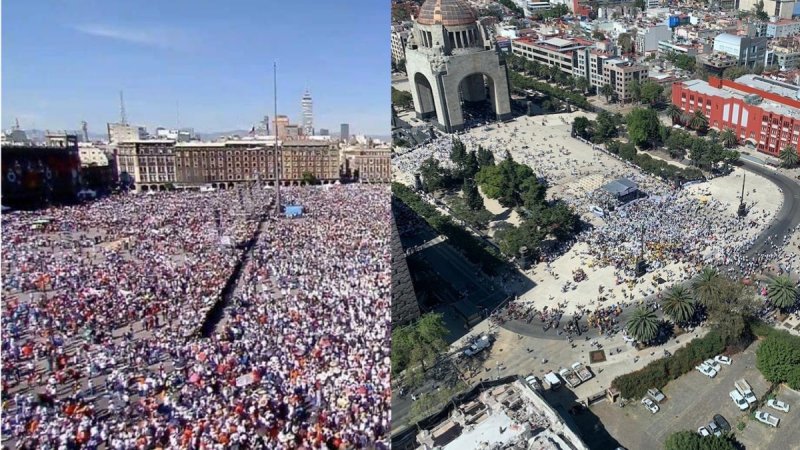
344, 134
308, 114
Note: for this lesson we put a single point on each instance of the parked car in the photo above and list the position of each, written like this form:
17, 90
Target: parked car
534, 382
779, 405
722, 423
478, 346
703, 431
656, 395
714, 429
650, 405
744, 388
713, 364
767, 418
706, 370
722, 359
737, 398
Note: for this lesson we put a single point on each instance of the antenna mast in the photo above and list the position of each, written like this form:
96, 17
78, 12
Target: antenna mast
275, 152
122, 116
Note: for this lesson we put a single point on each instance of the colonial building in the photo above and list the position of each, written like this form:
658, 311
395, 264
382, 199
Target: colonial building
761, 111
151, 163
223, 164
372, 165
319, 158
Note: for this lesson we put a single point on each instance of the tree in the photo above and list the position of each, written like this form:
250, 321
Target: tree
679, 304
643, 325
580, 127
471, 165
674, 113
689, 440
706, 286
485, 157
728, 138
782, 292
760, 13
699, 121
635, 90
533, 193
582, 84
431, 174
309, 178
458, 152
789, 156
625, 43
778, 358
643, 126
607, 91
402, 99
605, 127
651, 92
472, 197
598, 35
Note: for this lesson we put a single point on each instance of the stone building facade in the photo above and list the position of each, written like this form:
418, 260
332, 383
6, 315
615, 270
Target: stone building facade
452, 62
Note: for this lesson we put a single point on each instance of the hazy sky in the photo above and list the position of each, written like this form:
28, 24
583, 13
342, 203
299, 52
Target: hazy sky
66, 61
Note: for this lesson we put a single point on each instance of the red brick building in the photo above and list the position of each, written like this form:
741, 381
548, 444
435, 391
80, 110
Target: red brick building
761, 111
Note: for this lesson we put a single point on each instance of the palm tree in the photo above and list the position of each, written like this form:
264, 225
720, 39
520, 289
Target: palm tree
782, 292
728, 138
555, 71
675, 113
686, 118
582, 84
789, 156
679, 304
643, 325
699, 120
706, 286
607, 91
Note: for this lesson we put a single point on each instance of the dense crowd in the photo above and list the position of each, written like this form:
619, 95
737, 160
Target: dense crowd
103, 306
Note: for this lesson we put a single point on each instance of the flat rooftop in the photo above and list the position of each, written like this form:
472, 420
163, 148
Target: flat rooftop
498, 428
702, 87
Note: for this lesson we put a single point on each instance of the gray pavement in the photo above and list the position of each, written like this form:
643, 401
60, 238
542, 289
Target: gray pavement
691, 402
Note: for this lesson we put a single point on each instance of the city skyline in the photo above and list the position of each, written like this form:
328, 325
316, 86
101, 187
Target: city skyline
213, 65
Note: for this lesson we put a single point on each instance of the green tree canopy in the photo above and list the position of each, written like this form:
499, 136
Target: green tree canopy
782, 292
679, 304
643, 126
402, 99
485, 157
690, 440
778, 358
431, 173
643, 325
789, 156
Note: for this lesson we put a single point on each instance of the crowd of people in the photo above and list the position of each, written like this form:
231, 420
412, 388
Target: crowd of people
104, 307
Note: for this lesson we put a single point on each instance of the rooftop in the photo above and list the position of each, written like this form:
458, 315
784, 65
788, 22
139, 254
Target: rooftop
446, 12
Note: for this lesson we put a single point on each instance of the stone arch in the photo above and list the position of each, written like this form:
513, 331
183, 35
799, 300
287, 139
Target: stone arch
475, 90
425, 96
144, 188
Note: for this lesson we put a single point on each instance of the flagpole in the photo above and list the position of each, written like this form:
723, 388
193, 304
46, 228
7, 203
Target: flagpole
275, 151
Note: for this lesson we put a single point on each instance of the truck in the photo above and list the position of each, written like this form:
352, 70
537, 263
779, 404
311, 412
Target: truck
767, 418
572, 379
744, 388
582, 371
479, 345
553, 380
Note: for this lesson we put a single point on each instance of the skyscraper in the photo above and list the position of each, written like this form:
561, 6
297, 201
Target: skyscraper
308, 114
344, 134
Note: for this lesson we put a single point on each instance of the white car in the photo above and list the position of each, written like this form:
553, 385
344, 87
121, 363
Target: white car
534, 382
650, 405
706, 370
703, 431
722, 359
714, 429
737, 398
779, 405
713, 364
767, 418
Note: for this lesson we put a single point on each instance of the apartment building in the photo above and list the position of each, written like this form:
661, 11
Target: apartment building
550, 52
